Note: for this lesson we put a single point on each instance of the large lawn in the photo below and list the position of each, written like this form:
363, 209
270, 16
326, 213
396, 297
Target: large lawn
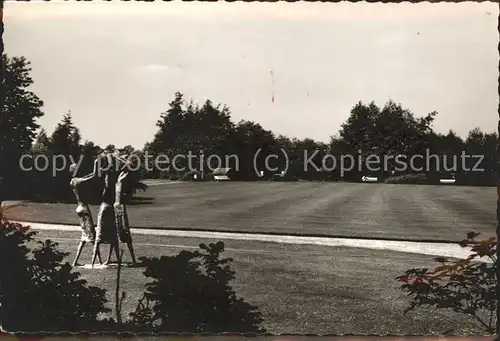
335, 209
298, 288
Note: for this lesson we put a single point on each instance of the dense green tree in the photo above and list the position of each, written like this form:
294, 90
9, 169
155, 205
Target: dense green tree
75, 147
127, 150
18, 125
250, 140
345, 155
65, 149
65, 139
39, 181
480, 164
359, 129
449, 147
168, 125
42, 143
386, 133
186, 128
305, 158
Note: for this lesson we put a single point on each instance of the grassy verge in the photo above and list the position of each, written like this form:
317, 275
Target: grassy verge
299, 289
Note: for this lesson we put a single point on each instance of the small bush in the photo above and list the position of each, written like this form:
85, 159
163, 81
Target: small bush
190, 293
466, 286
38, 292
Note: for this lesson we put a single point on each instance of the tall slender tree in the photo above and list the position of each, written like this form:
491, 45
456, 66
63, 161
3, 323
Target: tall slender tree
42, 143
64, 142
20, 110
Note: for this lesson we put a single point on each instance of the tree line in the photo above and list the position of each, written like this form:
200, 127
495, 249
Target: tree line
370, 130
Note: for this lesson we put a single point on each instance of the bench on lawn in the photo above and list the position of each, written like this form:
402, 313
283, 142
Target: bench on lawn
222, 174
369, 179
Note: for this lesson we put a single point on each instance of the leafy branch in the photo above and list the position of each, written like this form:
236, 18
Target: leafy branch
467, 286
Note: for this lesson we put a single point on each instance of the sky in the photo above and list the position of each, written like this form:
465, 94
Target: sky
295, 68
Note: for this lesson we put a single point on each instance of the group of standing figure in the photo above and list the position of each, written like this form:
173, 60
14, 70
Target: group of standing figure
112, 221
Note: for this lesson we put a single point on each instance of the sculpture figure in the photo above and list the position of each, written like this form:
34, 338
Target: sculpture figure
121, 216
106, 229
83, 212
112, 221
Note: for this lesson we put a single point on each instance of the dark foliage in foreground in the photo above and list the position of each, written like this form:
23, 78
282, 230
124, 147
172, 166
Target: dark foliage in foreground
190, 292
466, 286
40, 293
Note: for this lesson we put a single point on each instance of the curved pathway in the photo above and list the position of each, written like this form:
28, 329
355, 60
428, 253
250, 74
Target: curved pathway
434, 249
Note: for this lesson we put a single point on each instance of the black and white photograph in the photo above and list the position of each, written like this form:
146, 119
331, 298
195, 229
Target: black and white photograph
259, 168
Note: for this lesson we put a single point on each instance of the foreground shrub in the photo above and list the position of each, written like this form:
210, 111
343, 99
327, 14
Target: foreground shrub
38, 292
466, 286
190, 292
